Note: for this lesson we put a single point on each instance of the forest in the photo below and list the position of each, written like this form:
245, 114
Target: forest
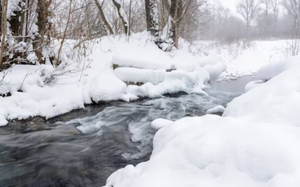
30, 28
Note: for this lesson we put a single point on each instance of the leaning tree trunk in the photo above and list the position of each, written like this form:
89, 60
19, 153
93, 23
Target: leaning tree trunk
44, 27
152, 18
106, 24
122, 15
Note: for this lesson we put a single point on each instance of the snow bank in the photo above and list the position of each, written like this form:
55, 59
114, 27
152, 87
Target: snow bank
217, 109
276, 101
205, 152
140, 75
175, 81
149, 61
79, 80
102, 91
160, 123
269, 71
255, 144
253, 84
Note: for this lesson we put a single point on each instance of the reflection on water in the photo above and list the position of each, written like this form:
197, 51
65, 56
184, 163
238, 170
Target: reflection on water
84, 147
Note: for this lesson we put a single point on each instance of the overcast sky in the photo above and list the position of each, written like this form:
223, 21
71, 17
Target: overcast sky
231, 4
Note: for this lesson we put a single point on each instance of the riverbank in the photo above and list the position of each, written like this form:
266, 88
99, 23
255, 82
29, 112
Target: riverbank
86, 78
255, 143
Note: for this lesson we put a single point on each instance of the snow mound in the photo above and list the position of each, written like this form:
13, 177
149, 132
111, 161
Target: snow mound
140, 75
276, 101
253, 84
255, 143
205, 152
160, 123
102, 91
217, 109
141, 59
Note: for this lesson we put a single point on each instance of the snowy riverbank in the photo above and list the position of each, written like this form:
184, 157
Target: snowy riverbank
255, 143
42, 90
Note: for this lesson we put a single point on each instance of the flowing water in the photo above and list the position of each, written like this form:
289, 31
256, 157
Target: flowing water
84, 147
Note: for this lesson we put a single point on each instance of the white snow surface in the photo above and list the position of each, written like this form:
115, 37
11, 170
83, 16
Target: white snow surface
160, 123
255, 143
217, 109
245, 58
42, 90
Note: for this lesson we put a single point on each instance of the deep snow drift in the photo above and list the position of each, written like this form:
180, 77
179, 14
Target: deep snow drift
255, 144
87, 76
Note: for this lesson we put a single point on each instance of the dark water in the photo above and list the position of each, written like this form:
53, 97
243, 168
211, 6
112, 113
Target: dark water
55, 153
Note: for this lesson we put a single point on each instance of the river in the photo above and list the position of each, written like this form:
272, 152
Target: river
83, 147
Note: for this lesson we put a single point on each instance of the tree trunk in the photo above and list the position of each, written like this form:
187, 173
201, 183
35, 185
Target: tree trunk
15, 21
173, 33
0, 18
4, 4
152, 18
122, 15
44, 27
106, 24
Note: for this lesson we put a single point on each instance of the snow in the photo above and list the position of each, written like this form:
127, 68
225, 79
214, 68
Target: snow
102, 91
140, 75
217, 109
276, 101
205, 152
160, 123
41, 90
253, 84
244, 58
131, 57
255, 143
13, 5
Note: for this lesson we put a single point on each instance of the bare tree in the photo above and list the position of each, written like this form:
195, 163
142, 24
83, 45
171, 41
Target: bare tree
248, 10
293, 8
42, 37
107, 25
176, 15
266, 19
275, 13
65, 33
121, 14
